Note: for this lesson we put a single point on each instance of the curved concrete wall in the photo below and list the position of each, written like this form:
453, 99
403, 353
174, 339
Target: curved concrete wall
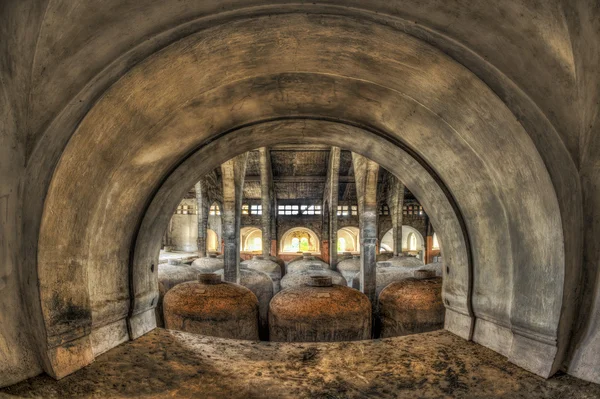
543, 65
429, 102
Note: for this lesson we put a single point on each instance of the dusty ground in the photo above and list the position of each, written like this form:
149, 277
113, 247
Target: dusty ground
166, 364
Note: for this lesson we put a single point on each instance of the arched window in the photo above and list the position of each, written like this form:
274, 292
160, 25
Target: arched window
436, 243
412, 242
251, 239
295, 244
212, 241
341, 247
304, 244
256, 244
299, 239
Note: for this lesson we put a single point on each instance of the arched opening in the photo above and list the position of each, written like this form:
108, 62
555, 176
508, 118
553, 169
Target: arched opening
213, 242
298, 240
341, 247
412, 242
350, 236
438, 134
251, 237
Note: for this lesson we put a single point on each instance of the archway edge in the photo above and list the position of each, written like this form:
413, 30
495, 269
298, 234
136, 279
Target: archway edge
374, 100
391, 154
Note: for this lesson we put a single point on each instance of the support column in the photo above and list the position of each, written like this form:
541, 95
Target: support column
428, 258
366, 173
397, 215
203, 205
232, 174
332, 198
267, 194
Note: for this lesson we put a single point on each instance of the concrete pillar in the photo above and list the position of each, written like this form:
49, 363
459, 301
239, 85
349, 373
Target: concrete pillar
428, 258
267, 194
397, 215
333, 183
232, 174
203, 205
366, 174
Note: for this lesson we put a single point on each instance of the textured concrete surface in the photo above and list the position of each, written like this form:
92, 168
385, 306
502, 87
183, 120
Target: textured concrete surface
57, 58
174, 364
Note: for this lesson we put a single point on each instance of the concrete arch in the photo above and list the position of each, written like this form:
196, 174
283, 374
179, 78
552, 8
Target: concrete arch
408, 103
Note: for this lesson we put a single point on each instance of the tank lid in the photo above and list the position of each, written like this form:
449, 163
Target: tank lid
212, 256
258, 257
424, 274
209, 278
320, 281
315, 266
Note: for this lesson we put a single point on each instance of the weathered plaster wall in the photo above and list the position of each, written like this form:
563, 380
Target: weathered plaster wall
69, 52
584, 23
18, 353
426, 96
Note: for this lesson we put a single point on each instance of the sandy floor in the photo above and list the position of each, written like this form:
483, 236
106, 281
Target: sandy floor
166, 364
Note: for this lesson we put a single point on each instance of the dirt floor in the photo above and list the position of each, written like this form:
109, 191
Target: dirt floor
166, 364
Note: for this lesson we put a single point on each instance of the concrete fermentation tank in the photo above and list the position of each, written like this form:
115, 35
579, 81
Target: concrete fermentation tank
305, 263
320, 312
212, 307
208, 264
411, 306
279, 261
405, 261
302, 278
349, 268
386, 274
437, 267
262, 286
272, 269
169, 275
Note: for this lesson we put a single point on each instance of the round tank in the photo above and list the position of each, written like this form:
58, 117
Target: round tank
384, 256
212, 307
303, 256
405, 261
267, 266
168, 277
208, 264
437, 267
349, 268
303, 277
386, 274
262, 286
411, 306
343, 256
305, 263
221, 257
320, 312
279, 261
